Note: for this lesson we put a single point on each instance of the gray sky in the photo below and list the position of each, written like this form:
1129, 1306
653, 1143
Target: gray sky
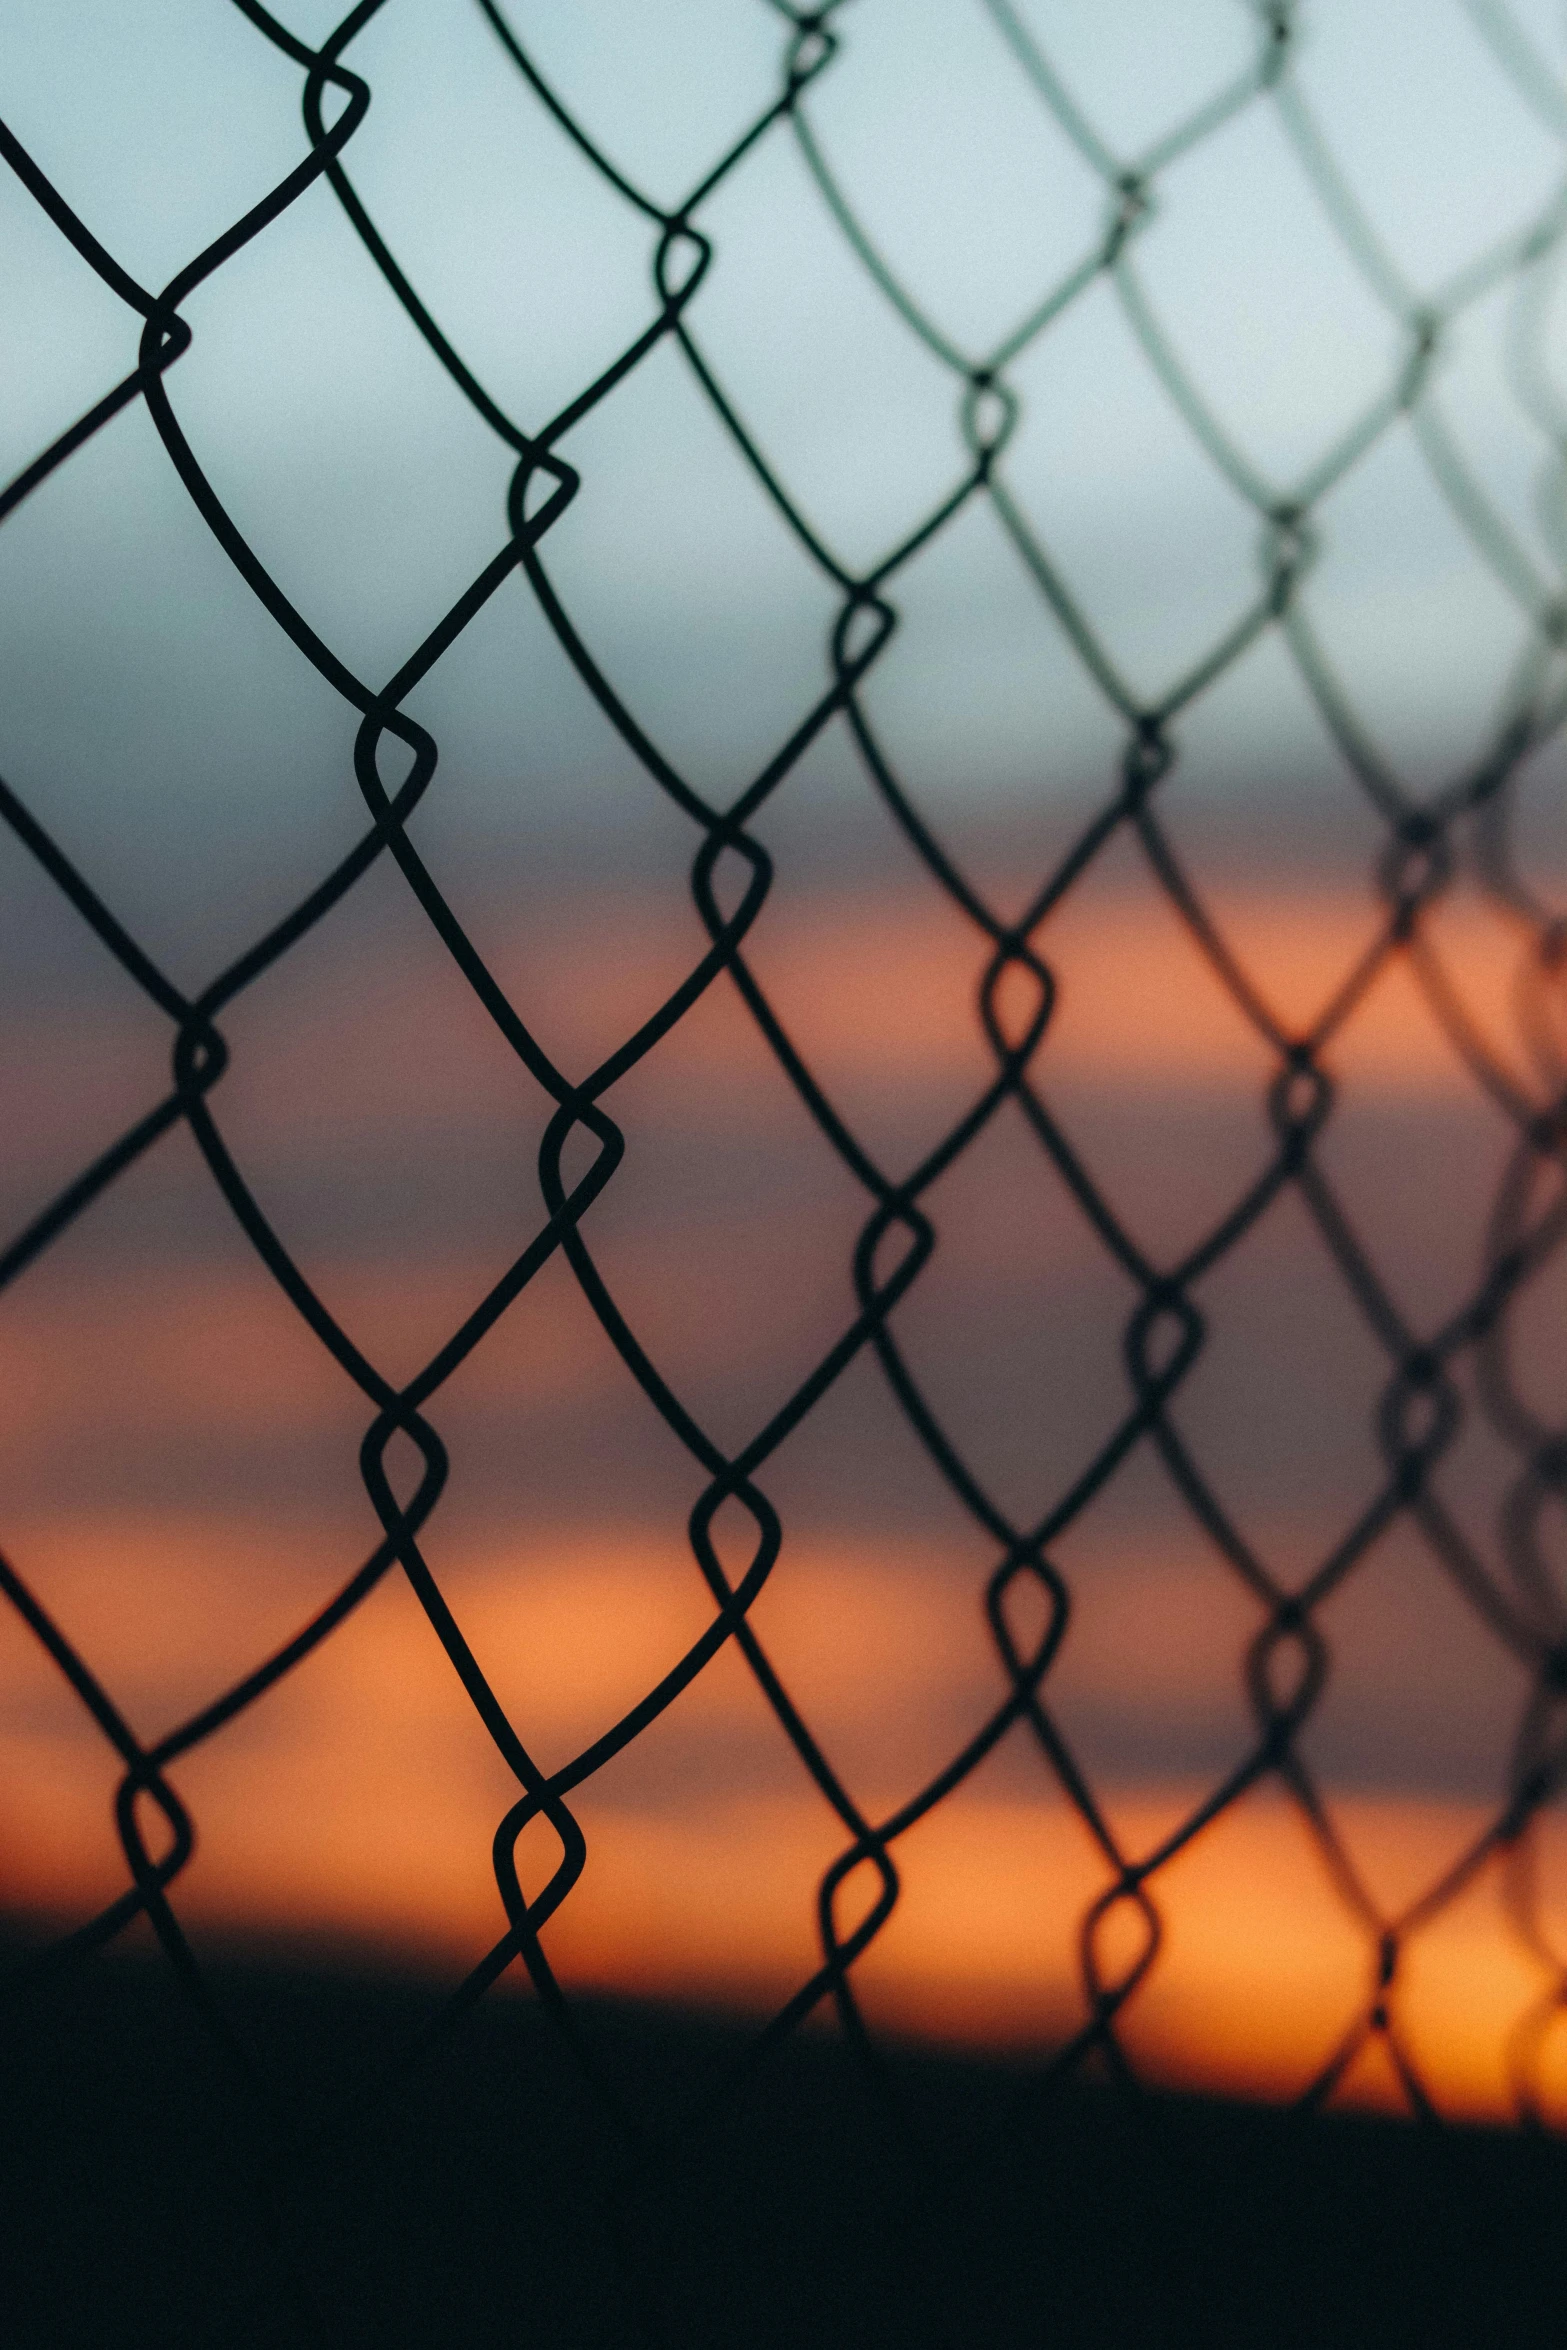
146, 679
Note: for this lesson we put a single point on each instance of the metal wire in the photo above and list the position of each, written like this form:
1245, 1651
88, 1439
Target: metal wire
1427, 840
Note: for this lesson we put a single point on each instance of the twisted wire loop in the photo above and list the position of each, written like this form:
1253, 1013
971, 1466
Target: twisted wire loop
1466, 825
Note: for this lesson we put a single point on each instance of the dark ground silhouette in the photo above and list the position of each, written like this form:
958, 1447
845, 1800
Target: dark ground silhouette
477, 2200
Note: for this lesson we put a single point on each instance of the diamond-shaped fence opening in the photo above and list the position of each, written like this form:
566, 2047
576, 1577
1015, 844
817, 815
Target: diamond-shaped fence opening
822, 1309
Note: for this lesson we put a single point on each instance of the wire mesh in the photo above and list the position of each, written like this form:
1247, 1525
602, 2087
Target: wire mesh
1427, 839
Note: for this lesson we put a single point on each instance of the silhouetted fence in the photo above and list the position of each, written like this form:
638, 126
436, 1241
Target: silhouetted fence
1425, 840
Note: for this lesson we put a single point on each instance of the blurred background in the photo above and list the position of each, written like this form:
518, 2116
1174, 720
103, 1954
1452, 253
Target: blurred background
1235, 268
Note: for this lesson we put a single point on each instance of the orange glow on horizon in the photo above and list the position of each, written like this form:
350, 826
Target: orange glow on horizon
357, 1801
881, 984
356, 1808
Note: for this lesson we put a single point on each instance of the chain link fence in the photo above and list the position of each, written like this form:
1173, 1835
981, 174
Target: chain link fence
1434, 1376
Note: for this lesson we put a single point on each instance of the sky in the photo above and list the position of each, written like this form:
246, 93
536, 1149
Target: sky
180, 1472
363, 477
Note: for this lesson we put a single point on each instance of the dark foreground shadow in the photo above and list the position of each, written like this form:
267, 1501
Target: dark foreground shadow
149, 2195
